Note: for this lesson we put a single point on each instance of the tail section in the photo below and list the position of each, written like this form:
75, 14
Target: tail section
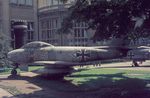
120, 45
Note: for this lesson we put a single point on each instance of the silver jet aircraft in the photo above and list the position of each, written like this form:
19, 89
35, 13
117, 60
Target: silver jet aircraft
58, 60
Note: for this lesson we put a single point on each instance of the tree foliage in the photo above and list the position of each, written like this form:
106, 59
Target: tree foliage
4, 49
112, 18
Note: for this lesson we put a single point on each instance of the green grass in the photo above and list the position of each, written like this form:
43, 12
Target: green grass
117, 83
115, 74
32, 68
6, 71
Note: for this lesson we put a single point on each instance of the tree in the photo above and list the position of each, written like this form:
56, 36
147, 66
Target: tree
128, 19
4, 49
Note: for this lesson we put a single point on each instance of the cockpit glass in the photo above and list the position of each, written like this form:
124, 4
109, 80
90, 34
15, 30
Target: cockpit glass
36, 44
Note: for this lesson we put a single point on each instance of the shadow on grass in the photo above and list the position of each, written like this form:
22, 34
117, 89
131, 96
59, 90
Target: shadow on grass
123, 87
146, 66
102, 87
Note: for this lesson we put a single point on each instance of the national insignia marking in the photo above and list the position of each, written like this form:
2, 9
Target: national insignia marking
82, 54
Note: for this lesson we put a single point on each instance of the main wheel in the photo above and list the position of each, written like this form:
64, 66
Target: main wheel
14, 72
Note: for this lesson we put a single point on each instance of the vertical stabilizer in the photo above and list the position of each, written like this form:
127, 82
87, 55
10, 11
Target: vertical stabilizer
118, 42
120, 45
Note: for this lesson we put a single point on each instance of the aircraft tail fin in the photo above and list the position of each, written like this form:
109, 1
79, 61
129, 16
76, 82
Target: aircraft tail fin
121, 45
118, 42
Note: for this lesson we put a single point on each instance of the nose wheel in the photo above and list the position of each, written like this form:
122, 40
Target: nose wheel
14, 71
135, 64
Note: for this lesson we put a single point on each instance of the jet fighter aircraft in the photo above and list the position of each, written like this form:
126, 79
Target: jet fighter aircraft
58, 60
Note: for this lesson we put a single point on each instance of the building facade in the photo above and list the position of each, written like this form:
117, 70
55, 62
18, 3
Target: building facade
51, 14
12, 11
44, 19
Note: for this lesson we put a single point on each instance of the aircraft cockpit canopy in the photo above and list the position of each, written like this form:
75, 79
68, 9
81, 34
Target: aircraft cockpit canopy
37, 44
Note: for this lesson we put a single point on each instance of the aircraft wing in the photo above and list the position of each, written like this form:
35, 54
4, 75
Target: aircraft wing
59, 63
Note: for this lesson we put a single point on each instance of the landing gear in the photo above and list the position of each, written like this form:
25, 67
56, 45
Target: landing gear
135, 64
97, 64
14, 71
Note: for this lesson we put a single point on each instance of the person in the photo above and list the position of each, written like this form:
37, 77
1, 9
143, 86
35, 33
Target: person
81, 66
97, 64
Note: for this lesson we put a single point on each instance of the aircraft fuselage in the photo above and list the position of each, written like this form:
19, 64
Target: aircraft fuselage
68, 54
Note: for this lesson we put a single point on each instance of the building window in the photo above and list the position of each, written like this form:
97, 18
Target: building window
49, 2
82, 31
21, 2
48, 30
14, 1
30, 31
55, 2
1, 27
79, 33
29, 2
12, 35
75, 31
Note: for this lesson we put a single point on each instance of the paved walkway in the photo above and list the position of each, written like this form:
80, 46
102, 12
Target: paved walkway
4, 94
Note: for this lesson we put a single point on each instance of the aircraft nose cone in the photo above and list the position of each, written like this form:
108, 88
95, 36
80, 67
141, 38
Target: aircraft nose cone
16, 56
9, 55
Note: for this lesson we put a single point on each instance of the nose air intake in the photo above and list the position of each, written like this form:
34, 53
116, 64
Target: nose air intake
14, 55
9, 55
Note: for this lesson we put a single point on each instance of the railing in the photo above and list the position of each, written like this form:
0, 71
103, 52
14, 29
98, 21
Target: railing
53, 7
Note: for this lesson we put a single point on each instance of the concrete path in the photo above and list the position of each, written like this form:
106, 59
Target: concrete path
4, 94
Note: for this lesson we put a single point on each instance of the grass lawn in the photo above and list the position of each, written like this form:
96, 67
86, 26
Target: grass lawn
101, 83
113, 83
115, 74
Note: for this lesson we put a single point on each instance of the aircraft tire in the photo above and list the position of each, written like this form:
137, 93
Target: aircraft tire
14, 72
